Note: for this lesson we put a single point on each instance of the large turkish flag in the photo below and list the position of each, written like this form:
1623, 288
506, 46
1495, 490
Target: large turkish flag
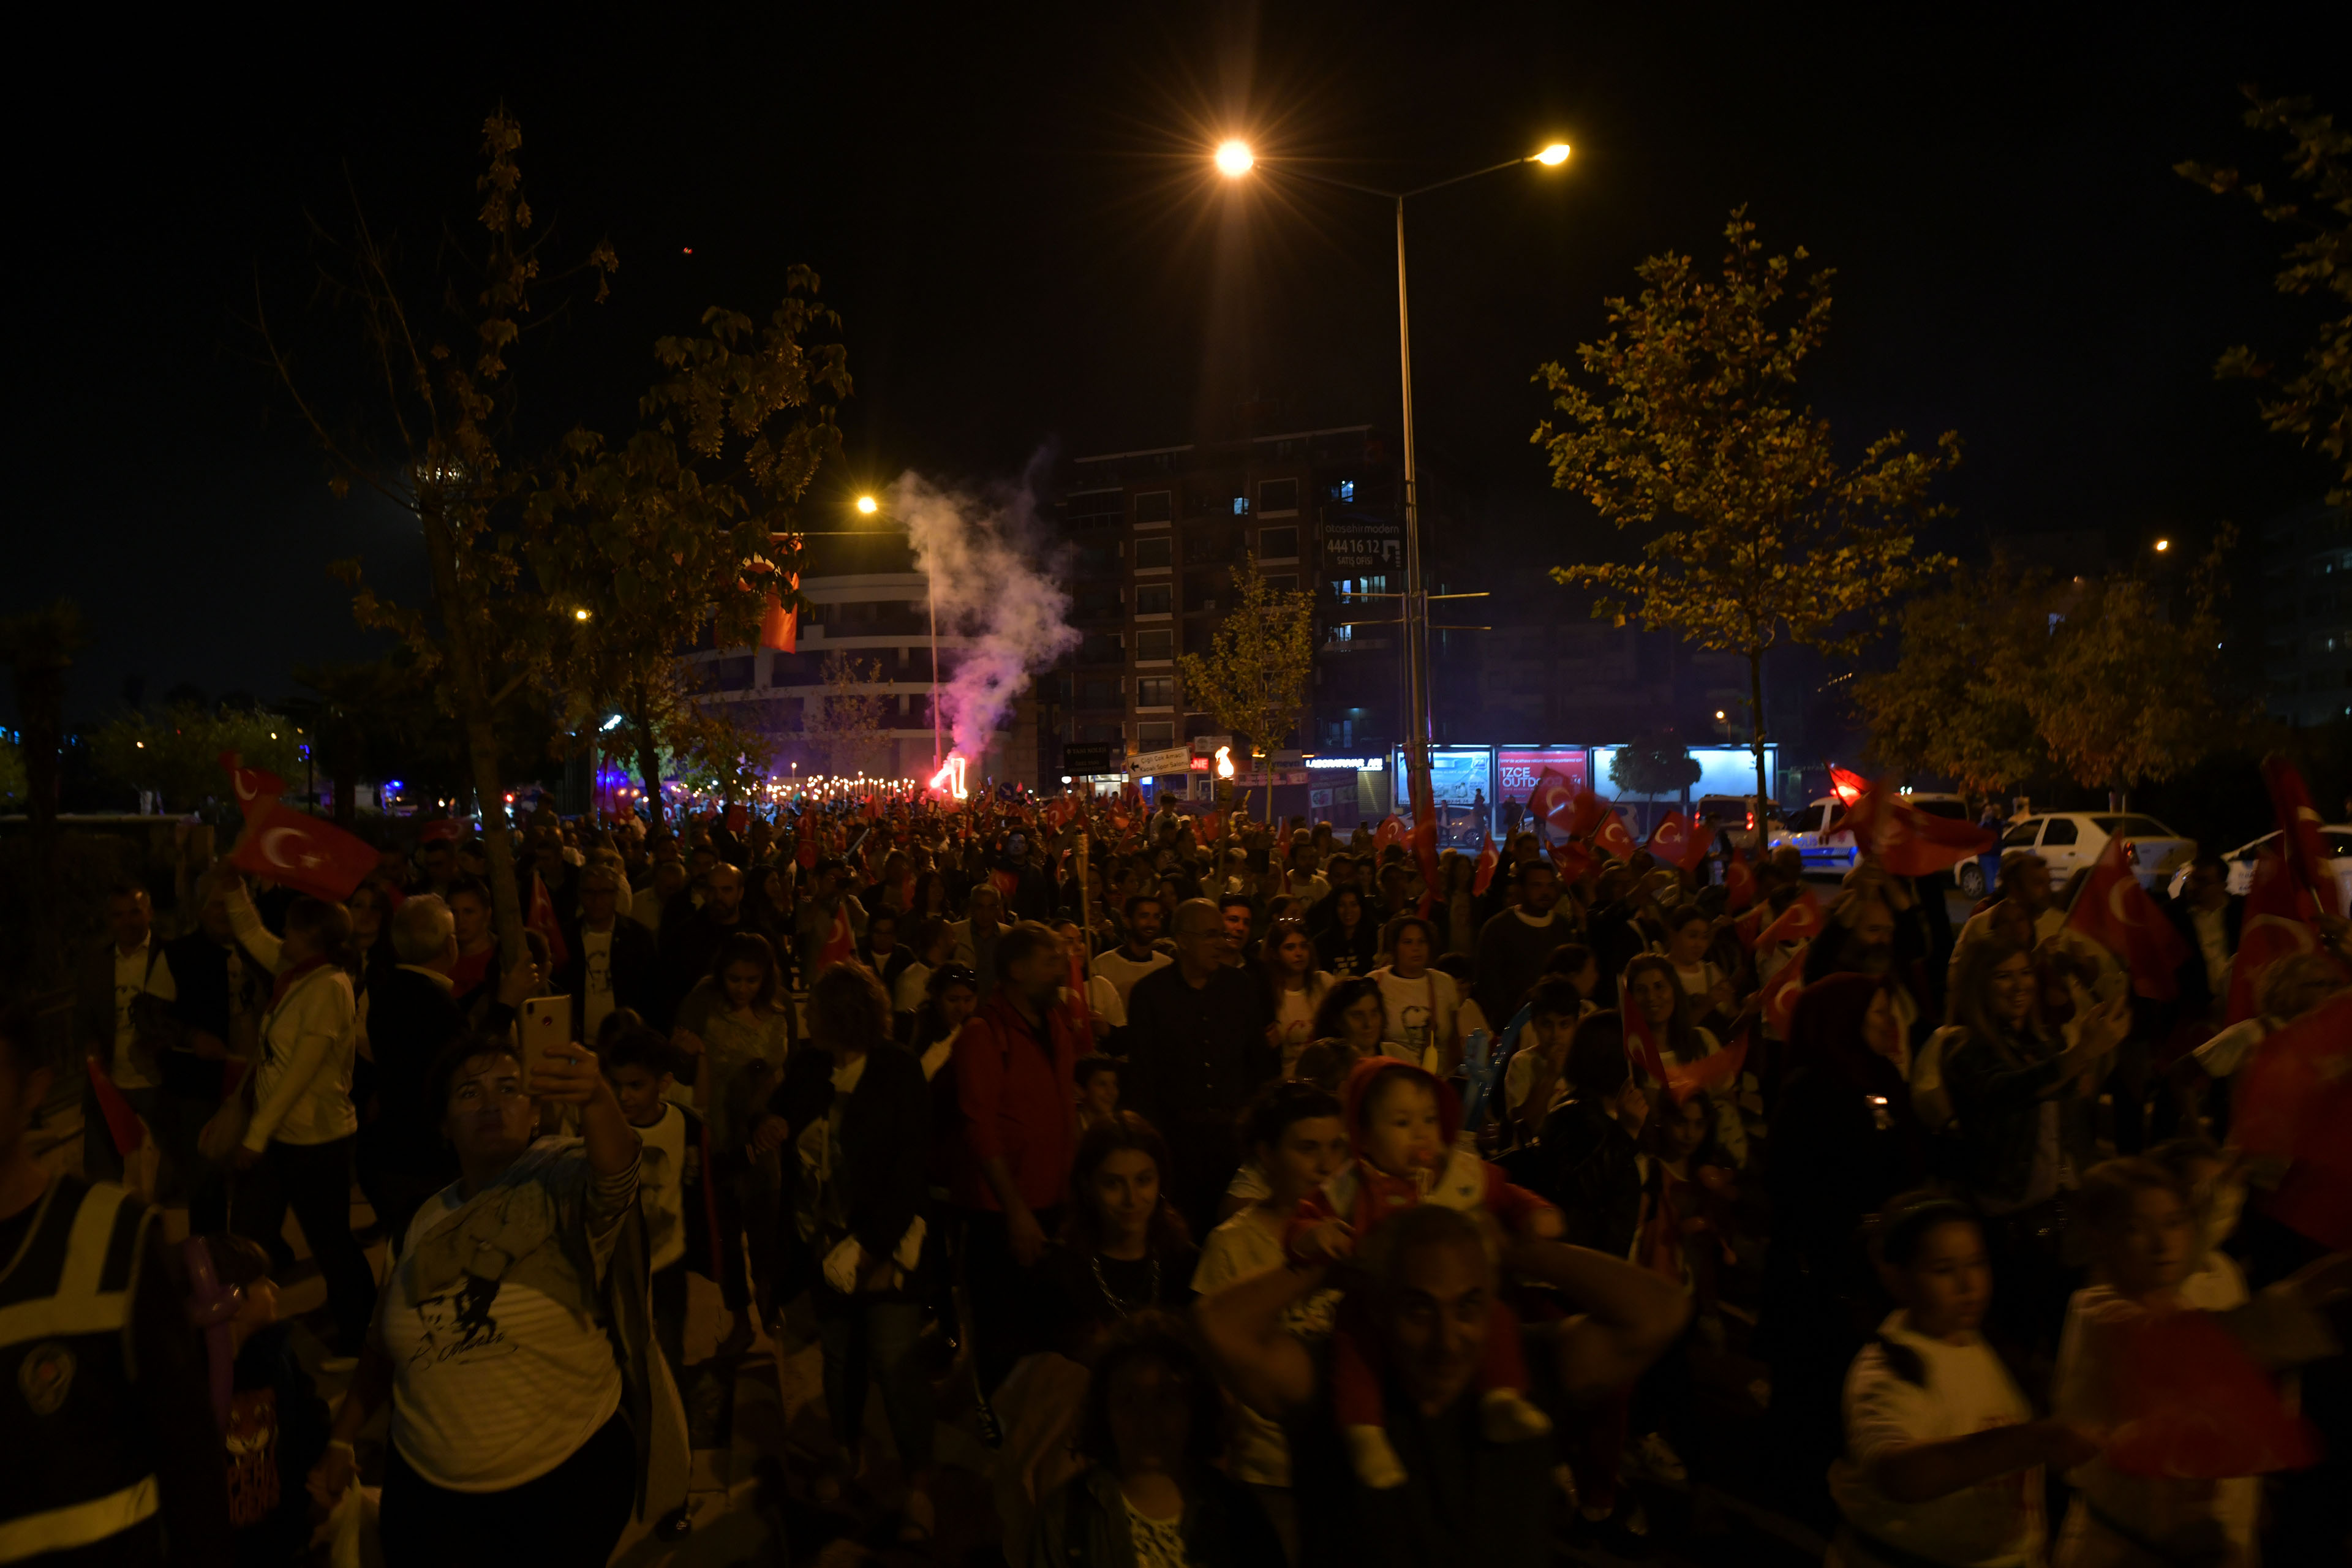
303, 853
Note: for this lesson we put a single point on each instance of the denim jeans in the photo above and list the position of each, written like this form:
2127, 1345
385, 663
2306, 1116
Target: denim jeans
878, 1335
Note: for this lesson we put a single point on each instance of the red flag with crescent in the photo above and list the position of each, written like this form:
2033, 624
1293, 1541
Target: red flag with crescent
840, 939
1802, 917
1614, 836
2306, 852
1642, 1047
1573, 860
1849, 787
804, 844
2113, 910
1487, 861
1738, 883
2193, 1404
303, 853
1909, 842
1779, 1008
2295, 1104
2274, 925
1390, 831
257, 789
1673, 842
1585, 813
1549, 801
1712, 1074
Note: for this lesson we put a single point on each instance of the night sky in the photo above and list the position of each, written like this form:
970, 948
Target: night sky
1011, 208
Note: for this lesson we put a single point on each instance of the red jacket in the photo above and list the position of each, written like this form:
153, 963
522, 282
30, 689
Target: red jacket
1019, 1098
1363, 1194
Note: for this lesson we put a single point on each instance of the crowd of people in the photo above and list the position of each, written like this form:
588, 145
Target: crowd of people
1258, 1194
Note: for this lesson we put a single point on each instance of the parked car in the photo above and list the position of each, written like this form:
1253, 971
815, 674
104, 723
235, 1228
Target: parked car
2336, 836
2069, 841
1730, 814
1827, 845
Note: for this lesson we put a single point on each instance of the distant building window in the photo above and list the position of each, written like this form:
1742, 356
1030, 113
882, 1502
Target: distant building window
730, 674
1277, 543
1154, 737
1154, 599
1102, 648
1277, 495
1154, 506
1151, 553
1285, 583
1099, 732
1240, 506
1097, 508
1345, 491
1098, 694
1152, 646
1155, 691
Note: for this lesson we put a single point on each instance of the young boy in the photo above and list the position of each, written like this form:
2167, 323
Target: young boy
691, 1224
1535, 1084
1402, 1126
275, 1426
1097, 1090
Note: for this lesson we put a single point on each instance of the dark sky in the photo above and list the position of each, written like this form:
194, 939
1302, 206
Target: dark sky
1009, 207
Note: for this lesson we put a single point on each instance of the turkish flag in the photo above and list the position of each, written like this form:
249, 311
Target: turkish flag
542, 920
1390, 831
1209, 822
1673, 842
804, 842
1802, 917
2274, 925
2295, 1104
1909, 842
780, 628
1847, 786
1780, 993
1007, 883
1711, 1074
1738, 883
303, 853
2307, 853
1080, 1014
1573, 860
1642, 1047
1585, 817
1614, 836
840, 941
739, 818
257, 789
1487, 861
1549, 801
2115, 911
2194, 1405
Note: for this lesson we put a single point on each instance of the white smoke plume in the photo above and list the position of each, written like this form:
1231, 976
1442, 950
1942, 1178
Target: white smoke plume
986, 559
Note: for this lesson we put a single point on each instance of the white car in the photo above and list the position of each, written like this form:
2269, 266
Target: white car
2336, 836
1821, 838
2071, 841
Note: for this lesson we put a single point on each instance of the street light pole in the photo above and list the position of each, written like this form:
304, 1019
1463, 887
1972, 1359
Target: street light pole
1233, 160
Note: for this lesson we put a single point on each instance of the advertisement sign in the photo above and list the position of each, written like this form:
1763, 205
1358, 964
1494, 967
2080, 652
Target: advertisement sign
1086, 757
1723, 770
1362, 546
1517, 768
1458, 775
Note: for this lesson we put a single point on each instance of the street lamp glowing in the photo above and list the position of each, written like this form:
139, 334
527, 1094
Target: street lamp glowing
2162, 545
1553, 156
868, 505
579, 615
1235, 159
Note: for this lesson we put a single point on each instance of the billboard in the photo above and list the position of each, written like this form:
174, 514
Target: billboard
1362, 546
1459, 777
1517, 768
1723, 770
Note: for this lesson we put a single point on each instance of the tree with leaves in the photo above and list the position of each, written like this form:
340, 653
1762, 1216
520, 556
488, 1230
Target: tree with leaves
688, 526
1686, 420
2313, 405
2005, 677
440, 355
1253, 679
176, 753
1653, 765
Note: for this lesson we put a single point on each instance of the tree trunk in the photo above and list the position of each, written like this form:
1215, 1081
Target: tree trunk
649, 771
1756, 720
482, 737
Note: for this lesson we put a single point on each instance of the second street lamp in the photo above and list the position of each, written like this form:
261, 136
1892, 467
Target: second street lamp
1233, 160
